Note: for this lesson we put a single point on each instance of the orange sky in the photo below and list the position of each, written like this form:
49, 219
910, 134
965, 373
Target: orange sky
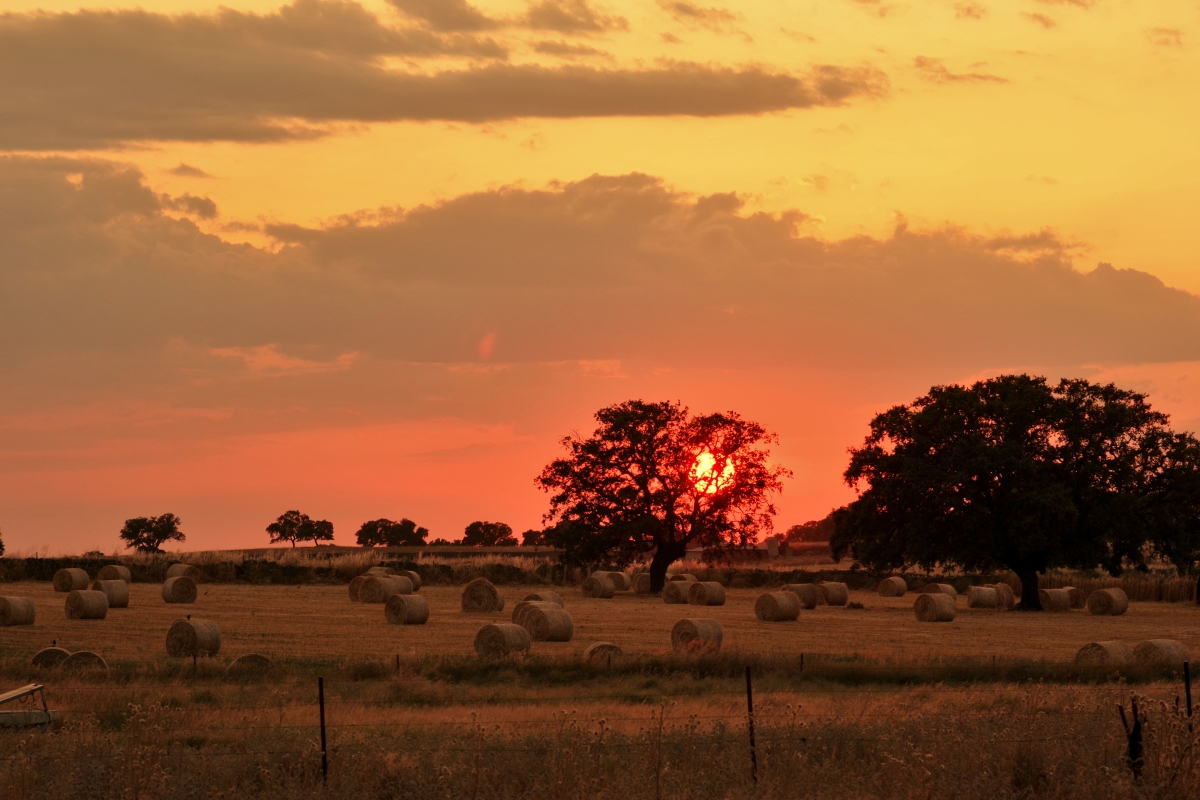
376, 259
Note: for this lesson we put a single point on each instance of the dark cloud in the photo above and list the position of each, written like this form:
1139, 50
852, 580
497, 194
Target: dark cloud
188, 171
571, 17
447, 15
91, 80
563, 49
932, 69
712, 17
188, 203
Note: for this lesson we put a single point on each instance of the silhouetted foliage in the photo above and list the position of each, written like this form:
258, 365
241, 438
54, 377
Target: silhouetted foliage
292, 526
1, 542
440, 542
533, 537
1011, 472
385, 533
488, 534
638, 485
817, 530
149, 534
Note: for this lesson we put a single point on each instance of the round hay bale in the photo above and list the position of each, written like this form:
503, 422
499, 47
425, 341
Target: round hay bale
521, 608
114, 572
893, 587
185, 571
480, 596
1053, 599
16, 611
602, 653
544, 597
1108, 602
835, 594
696, 635
598, 585
117, 592
1078, 597
1161, 651
378, 588
706, 593
193, 637
70, 580
413, 576
83, 661
1104, 654
180, 589
936, 607
49, 657
806, 593
620, 581
641, 583
502, 639
1005, 598
548, 624
940, 588
406, 609
86, 604
380, 570
682, 576
982, 597
356, 587
1013, 581
675, 592
249, 664
777, 607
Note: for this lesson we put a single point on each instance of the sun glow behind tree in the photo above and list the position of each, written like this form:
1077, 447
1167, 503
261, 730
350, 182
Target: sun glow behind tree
707, 478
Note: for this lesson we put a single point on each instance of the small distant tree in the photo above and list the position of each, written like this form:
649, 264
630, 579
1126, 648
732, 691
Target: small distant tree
385, 533
149, 534
817, 530
1, 542
440, 542
533, 537
488, 534
293, 527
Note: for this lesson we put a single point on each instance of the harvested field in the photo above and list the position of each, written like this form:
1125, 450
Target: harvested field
317, 622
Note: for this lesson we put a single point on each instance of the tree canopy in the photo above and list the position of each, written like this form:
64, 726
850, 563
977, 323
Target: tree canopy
488, 534
386, 533
292, 526
1014, 473
149, 534
654, 478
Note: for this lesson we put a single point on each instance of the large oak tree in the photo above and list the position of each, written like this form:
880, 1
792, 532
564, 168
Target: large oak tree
654, 478
1012, 472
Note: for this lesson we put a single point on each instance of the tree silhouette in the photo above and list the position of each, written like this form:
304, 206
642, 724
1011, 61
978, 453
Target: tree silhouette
533, 537
653, 478
1011, 472
292, 526
385, 533
488, 534
149, 534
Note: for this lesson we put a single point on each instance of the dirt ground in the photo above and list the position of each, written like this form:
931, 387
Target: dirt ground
307, 622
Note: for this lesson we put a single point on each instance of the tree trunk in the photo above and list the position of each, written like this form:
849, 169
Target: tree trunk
1030, 601
666, 555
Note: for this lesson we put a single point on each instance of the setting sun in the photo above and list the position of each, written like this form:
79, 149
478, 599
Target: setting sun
704, 472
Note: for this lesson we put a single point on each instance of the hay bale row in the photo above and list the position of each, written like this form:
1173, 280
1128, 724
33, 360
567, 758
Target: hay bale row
193, 637
1116, 653
480, 596
1161, 651
983, 597
406, 609
935, 607
16, 611
620, 581
179, 589
1107, 602
940, 588
185, 571
86, 604
544, 597
641, 583
675, 592
57, 657
683, 576
548, 623
502, 639
602, 653
117, 592
806, 593
706, 593
833, 593
114, 572
378, 588
70, 580
1104, 654
893, 587
1057, 600
697, 635
599, 585
50, 657
777, 607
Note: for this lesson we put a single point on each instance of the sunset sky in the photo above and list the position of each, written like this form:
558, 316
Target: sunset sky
375, 259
